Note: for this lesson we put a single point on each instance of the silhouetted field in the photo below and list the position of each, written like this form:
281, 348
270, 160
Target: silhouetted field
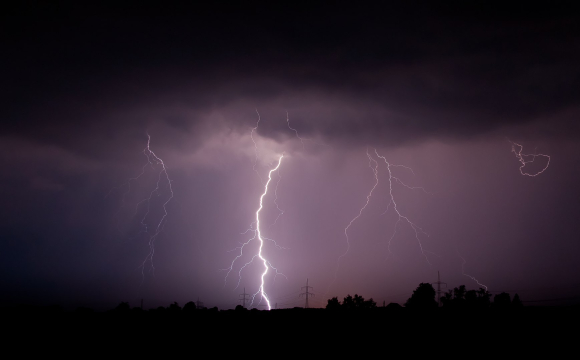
523, 330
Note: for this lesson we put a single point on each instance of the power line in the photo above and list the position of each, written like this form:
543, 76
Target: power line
439, 283
561, 299
243, 299
306, 293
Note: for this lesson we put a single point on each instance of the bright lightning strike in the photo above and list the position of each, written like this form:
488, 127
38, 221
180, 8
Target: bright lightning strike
469, 276
260, 238
255, 226
163, 180
522, 159
266, 263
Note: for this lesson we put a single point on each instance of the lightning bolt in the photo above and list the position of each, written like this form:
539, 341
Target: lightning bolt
259, 234
522, 159
161, 222
163, 179
469, 276
255, 228
374, 166
260, 238
401, 217
375, 171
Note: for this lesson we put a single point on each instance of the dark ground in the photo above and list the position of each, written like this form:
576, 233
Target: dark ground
382, 331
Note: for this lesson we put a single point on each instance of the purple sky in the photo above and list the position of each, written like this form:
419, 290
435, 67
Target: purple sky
437, 89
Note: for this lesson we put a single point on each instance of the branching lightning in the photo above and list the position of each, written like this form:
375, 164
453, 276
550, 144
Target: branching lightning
522, 159
258, 235
374, 166
163, 180
255, 225
400, 216
469, 276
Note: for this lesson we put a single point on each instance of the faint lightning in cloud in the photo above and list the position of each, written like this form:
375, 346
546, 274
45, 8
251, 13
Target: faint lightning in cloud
517, 150
163, 181
469, 276
280, 211
256, 147
295, 131
302, 139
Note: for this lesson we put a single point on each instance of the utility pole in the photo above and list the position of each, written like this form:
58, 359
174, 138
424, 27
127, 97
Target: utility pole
243, 299
307, 293
439, 283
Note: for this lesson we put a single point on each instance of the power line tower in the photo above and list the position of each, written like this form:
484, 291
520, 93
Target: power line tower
307, 293
243, 298
199, 304
439, 283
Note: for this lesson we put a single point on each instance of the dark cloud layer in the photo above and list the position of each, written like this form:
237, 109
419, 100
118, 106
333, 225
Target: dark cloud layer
413, 70
439, 88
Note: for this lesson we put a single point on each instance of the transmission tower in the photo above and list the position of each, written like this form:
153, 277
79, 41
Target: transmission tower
307, 293
439, 283
199, 304
243, 298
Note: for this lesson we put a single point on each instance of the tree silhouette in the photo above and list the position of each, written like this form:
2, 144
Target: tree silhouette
333, 304
459, 298
459, 293
516, 302
189, 307
423, 298
369, 304
358, 301
502, 301
174, 307
351, 303
484, 297
447, 298
348, 303
123, 307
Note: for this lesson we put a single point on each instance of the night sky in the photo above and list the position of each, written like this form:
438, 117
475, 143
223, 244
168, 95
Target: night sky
440, 89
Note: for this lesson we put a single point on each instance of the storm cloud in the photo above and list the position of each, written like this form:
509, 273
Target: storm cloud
438, 88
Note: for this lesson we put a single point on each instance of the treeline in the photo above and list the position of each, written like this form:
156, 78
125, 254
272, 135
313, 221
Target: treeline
424, 297
461, 298
174, 308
